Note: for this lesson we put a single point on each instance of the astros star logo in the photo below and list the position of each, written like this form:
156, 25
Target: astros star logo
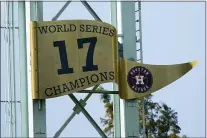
139, 79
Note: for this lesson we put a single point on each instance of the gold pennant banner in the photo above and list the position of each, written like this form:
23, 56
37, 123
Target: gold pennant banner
138, 80
69, 56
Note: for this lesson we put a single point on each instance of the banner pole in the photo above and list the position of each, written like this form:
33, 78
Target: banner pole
128, 108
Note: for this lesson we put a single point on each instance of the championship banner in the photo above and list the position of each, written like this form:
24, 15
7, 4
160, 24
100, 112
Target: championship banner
137, 80
69, 56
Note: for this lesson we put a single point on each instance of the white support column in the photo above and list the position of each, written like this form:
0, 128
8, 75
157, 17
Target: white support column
0, 59
126, 26
23, 70
116, 101
37, 108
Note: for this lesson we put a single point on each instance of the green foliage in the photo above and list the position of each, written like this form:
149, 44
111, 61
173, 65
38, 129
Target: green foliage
108, 120
161, 121
184, 136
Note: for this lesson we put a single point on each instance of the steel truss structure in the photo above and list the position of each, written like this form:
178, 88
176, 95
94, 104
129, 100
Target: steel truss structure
130, 42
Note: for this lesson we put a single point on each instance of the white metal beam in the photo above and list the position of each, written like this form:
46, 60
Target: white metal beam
128, 108
61, 10
116, 101
0, 58
37, 108
23, 71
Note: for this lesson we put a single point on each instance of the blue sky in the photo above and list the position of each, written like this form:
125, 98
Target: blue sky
173, 32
